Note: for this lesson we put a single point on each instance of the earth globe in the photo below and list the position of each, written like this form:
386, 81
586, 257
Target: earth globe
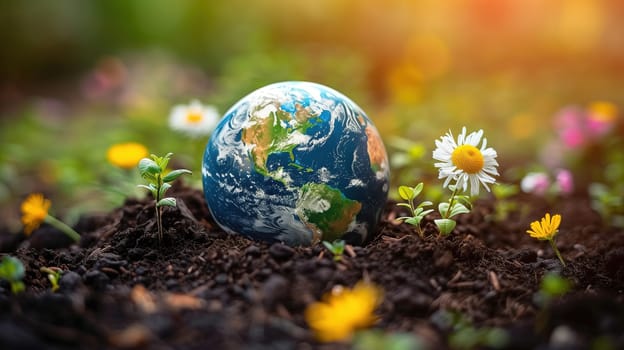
296, 162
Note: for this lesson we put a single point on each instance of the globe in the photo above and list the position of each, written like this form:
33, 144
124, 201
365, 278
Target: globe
296, 162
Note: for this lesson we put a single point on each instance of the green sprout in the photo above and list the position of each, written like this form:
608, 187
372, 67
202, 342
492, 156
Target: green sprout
12, 270
465, 336
417, 212
54, 275
608, 202
153, 170
504, 204
552, 286
336, 248
457, 204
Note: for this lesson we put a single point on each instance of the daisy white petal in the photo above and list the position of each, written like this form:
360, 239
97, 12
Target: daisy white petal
194, 119
464, 162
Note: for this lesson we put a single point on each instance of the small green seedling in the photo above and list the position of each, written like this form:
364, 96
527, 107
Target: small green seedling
465, 336
54, 275
336, 248
457, 204
417, 212
153, 170
553, 286
607, 200
504, 204
12, 270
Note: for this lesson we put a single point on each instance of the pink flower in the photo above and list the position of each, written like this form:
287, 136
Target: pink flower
564, 181
569, 118
536, 183
570, 124
573, 138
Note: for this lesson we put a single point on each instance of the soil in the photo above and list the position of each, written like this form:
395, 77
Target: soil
202, 288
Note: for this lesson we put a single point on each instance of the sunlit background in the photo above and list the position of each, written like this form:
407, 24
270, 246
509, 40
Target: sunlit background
78, 76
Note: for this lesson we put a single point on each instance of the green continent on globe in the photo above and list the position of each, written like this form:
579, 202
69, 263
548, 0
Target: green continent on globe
326, 210
279, 132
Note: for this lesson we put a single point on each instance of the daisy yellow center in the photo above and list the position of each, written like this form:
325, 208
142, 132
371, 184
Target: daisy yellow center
468, 158
193, 117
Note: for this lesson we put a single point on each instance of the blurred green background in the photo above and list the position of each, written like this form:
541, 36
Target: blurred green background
79, 76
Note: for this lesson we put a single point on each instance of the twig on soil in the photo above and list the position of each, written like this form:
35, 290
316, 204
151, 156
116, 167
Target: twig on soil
456, 277
393, 239
494, 280
349, 250
435, 284
465, 284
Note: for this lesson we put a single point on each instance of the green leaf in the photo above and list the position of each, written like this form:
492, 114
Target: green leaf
166, 202
404, 205
150, 187
149, 169
458, 208
164, 161
17, 287
416, 190
165, 186
465, 200
174, 174
328, 245
445, 226
554, 285
406, 193
11, 269
426, 212
443, 208
425, 203
337, 247
503, 191
414, 221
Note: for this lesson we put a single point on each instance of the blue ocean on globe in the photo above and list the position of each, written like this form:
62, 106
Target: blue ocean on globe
296, 162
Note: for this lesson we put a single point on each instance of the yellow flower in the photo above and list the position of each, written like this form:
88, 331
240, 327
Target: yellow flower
546, 231
547, 228
603, 111
343, 311
126, 155
34, 210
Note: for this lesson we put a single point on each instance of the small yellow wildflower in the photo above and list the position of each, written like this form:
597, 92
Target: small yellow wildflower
547, 228
126, 155
34, 210
546, 231
343, 311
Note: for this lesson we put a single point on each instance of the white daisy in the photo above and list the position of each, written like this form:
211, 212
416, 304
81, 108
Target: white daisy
463, 162
194, 119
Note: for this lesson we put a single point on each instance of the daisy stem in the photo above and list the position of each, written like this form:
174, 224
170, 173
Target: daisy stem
158, 209
61, 226
554, 247
448, 211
